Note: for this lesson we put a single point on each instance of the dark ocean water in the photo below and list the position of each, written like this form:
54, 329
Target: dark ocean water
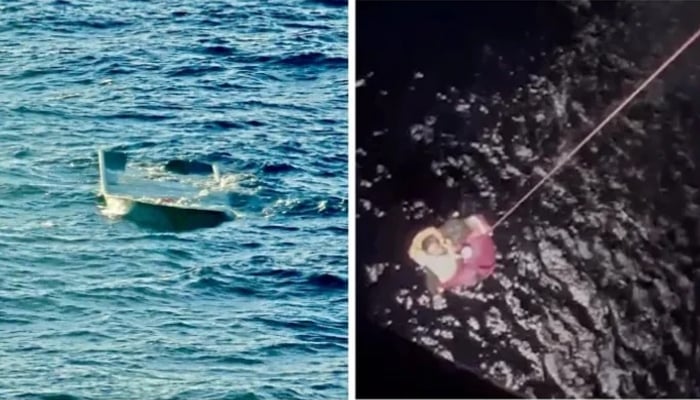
463, 107
93, 307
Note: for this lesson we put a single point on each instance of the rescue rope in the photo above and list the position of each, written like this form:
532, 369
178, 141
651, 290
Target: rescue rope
692, 390
598, 128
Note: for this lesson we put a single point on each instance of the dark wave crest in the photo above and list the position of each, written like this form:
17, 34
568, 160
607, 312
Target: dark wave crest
313, 59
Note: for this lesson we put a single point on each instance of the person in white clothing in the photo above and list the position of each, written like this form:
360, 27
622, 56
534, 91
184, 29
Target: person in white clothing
432, 251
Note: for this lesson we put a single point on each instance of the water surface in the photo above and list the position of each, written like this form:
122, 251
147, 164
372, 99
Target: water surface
95, 307
592, 295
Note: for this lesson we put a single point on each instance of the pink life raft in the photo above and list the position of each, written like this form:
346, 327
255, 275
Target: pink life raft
461, 253
477, 255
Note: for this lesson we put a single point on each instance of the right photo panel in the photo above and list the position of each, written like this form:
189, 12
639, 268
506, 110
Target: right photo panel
527, 199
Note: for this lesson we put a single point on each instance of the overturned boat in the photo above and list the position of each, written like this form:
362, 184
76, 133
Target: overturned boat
161, 198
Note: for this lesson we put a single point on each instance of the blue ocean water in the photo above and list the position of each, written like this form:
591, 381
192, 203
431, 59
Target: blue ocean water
95, 307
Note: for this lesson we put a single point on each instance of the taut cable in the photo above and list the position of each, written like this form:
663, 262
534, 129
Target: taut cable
600, 126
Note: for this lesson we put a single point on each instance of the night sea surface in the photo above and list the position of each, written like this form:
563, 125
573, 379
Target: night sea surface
93, 306
463, 108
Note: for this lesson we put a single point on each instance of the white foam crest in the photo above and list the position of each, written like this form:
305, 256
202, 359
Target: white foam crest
115, 208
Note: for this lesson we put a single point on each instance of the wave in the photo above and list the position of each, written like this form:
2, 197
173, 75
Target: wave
275, 168
299, 279
218, 50
278, 273
328, 281
297, 324
195, 71
44, 111
50, 396
337, 230
124, 291
331, 3
222, 125
331, 206
136, 116
254, 122
36, 73
235, 359
97, 24
307, 59
10, 320
313, 59
200, 394
21, 190
217, 285
219, 156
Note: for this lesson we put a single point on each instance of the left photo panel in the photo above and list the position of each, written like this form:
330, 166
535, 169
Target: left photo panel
174, 199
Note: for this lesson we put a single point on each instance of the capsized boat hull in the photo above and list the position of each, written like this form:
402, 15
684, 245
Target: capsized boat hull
156, 205
162, 216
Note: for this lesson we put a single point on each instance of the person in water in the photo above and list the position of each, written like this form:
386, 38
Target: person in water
459, 254
431, 250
